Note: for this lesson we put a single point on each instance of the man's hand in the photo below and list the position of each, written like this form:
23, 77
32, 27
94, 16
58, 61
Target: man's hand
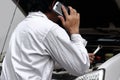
91, 57
71, 22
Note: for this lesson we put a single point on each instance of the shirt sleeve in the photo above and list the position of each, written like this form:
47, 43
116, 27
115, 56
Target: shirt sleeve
77, 38
69, 53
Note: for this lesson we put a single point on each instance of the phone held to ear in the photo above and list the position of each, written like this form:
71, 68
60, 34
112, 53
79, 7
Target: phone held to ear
57, 8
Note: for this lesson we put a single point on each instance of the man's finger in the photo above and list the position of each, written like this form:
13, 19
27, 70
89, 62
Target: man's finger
62, 19
64, 11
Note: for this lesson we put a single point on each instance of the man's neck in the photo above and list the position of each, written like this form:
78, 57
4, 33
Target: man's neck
52, 16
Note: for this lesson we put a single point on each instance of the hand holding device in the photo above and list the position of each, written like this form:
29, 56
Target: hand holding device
58, 8
71, 20
97, 49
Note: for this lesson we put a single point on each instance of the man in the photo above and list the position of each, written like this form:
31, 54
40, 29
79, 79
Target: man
38, 42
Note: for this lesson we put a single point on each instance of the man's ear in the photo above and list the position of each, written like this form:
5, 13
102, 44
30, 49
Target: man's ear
51, 6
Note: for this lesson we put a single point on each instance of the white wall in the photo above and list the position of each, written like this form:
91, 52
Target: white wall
7, 8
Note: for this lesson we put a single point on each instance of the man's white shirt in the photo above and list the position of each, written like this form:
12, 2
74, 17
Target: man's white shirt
36, 44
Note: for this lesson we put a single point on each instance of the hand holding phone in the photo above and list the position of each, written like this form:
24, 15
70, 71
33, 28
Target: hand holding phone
69, 17
58, 8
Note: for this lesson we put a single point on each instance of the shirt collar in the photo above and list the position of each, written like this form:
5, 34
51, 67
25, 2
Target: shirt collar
39, 13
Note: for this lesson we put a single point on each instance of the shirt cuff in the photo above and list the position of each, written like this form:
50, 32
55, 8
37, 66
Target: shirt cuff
77, 37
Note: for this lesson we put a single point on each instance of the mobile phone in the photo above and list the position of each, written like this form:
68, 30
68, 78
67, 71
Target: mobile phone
97, 49
57, 8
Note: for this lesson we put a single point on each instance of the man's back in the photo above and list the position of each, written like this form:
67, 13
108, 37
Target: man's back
26, 58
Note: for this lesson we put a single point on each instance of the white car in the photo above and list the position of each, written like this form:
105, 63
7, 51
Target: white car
109, 70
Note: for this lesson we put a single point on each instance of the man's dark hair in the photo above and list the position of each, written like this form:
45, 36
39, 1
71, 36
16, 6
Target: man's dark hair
37, 5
